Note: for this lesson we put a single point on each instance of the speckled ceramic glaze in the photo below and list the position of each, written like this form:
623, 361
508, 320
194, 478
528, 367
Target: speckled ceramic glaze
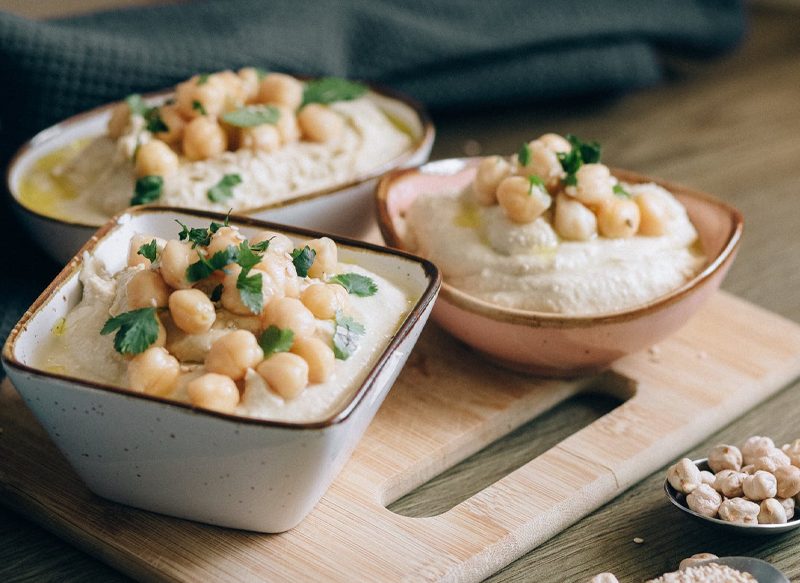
552, 344
322, 210
174, 459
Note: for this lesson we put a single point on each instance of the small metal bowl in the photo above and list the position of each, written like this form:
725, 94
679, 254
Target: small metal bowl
679, 500
761, 570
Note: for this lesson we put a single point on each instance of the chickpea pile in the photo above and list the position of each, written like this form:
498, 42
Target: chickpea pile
209, 335
758, 483
580, 204
195, 124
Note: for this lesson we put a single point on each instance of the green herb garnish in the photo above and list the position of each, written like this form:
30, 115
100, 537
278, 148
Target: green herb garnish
136, 330
154, 122
249, 287
619, 190
149, 251
198, 107
346, 337
537, 182
330, 89
356, 284
524, 154
581, 153
275, 339
202, 79
200, 236
247, 256
261, 73
205, 266
261, 246
136, 104
252, 115
147, 189
303, 259
223, 190
216, 293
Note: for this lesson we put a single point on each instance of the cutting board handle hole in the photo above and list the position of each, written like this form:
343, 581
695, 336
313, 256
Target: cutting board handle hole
491, 463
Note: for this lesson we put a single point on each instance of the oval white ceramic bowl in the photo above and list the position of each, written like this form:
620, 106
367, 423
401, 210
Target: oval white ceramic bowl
171, 458
344, 209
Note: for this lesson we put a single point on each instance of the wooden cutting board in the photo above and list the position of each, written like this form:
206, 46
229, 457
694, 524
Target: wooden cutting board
447, 404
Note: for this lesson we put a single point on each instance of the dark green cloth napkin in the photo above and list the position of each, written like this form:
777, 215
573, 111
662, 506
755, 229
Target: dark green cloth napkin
451, 54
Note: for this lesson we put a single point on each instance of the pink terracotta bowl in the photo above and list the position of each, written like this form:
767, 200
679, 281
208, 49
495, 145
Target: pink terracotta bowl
554, 344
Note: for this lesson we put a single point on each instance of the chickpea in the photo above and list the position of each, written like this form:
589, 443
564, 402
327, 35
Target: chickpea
772, 461
654, 215
287, 125
739, 510
771, 512
594, 184
154, 372
161, 339
618, 218
555, 143
136, 243
793, 451
318, 355
146, 289
756, 447
232, 87
278, 244
204, 138
233, 354
193, 97
760, 486
175, 258
684, 476
292, 314
281, 89
282, 279
788, 479
707, 477
522, 202
251, 82
119, 120
231, 297
725, 457
319, 123
192, 311
788, 507
285, 373
543, 162
174, 122
260, 138
695, 559
155, 158
324, 299
491, 172
225, 237
729, 483
326, 259
704, 500
213, 391
573, 220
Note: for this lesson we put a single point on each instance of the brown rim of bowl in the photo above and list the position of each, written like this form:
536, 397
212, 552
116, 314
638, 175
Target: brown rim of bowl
530, 318
342, 413
424, 142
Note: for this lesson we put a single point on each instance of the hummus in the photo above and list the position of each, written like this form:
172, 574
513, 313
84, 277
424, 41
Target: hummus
90, 182
529, 266
77, 348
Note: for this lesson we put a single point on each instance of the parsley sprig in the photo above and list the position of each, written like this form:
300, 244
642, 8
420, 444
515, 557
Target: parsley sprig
581, 153
303, 259
274, 339
148, 189
347, 335
200, 236
149, 251
151, 115
619, 190
524, 154
356, 284
536, 182
223, 190
330, 89
136, 330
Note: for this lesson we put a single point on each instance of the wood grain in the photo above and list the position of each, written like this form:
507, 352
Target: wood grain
729, 127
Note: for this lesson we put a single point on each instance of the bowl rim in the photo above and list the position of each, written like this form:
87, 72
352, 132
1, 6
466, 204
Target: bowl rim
530, 318
702, 464
422, 143
341, 414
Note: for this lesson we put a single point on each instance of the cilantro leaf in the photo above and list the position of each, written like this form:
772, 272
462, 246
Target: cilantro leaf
330, 89
535, 181
303, 259
136, 330
249, 287
619, 190
246, 256
581, 153
275, 339
148, 189
200, 236
223, 190
524, 154
198, 107
261, 246
252, 115
136, 104
149, 250
216, 293
356, 284
205, 266
346, 337
154, 122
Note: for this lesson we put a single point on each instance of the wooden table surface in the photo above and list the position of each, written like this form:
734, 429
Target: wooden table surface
730, 127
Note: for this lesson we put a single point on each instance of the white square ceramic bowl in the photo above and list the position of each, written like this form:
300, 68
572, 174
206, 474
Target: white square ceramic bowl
171, 458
